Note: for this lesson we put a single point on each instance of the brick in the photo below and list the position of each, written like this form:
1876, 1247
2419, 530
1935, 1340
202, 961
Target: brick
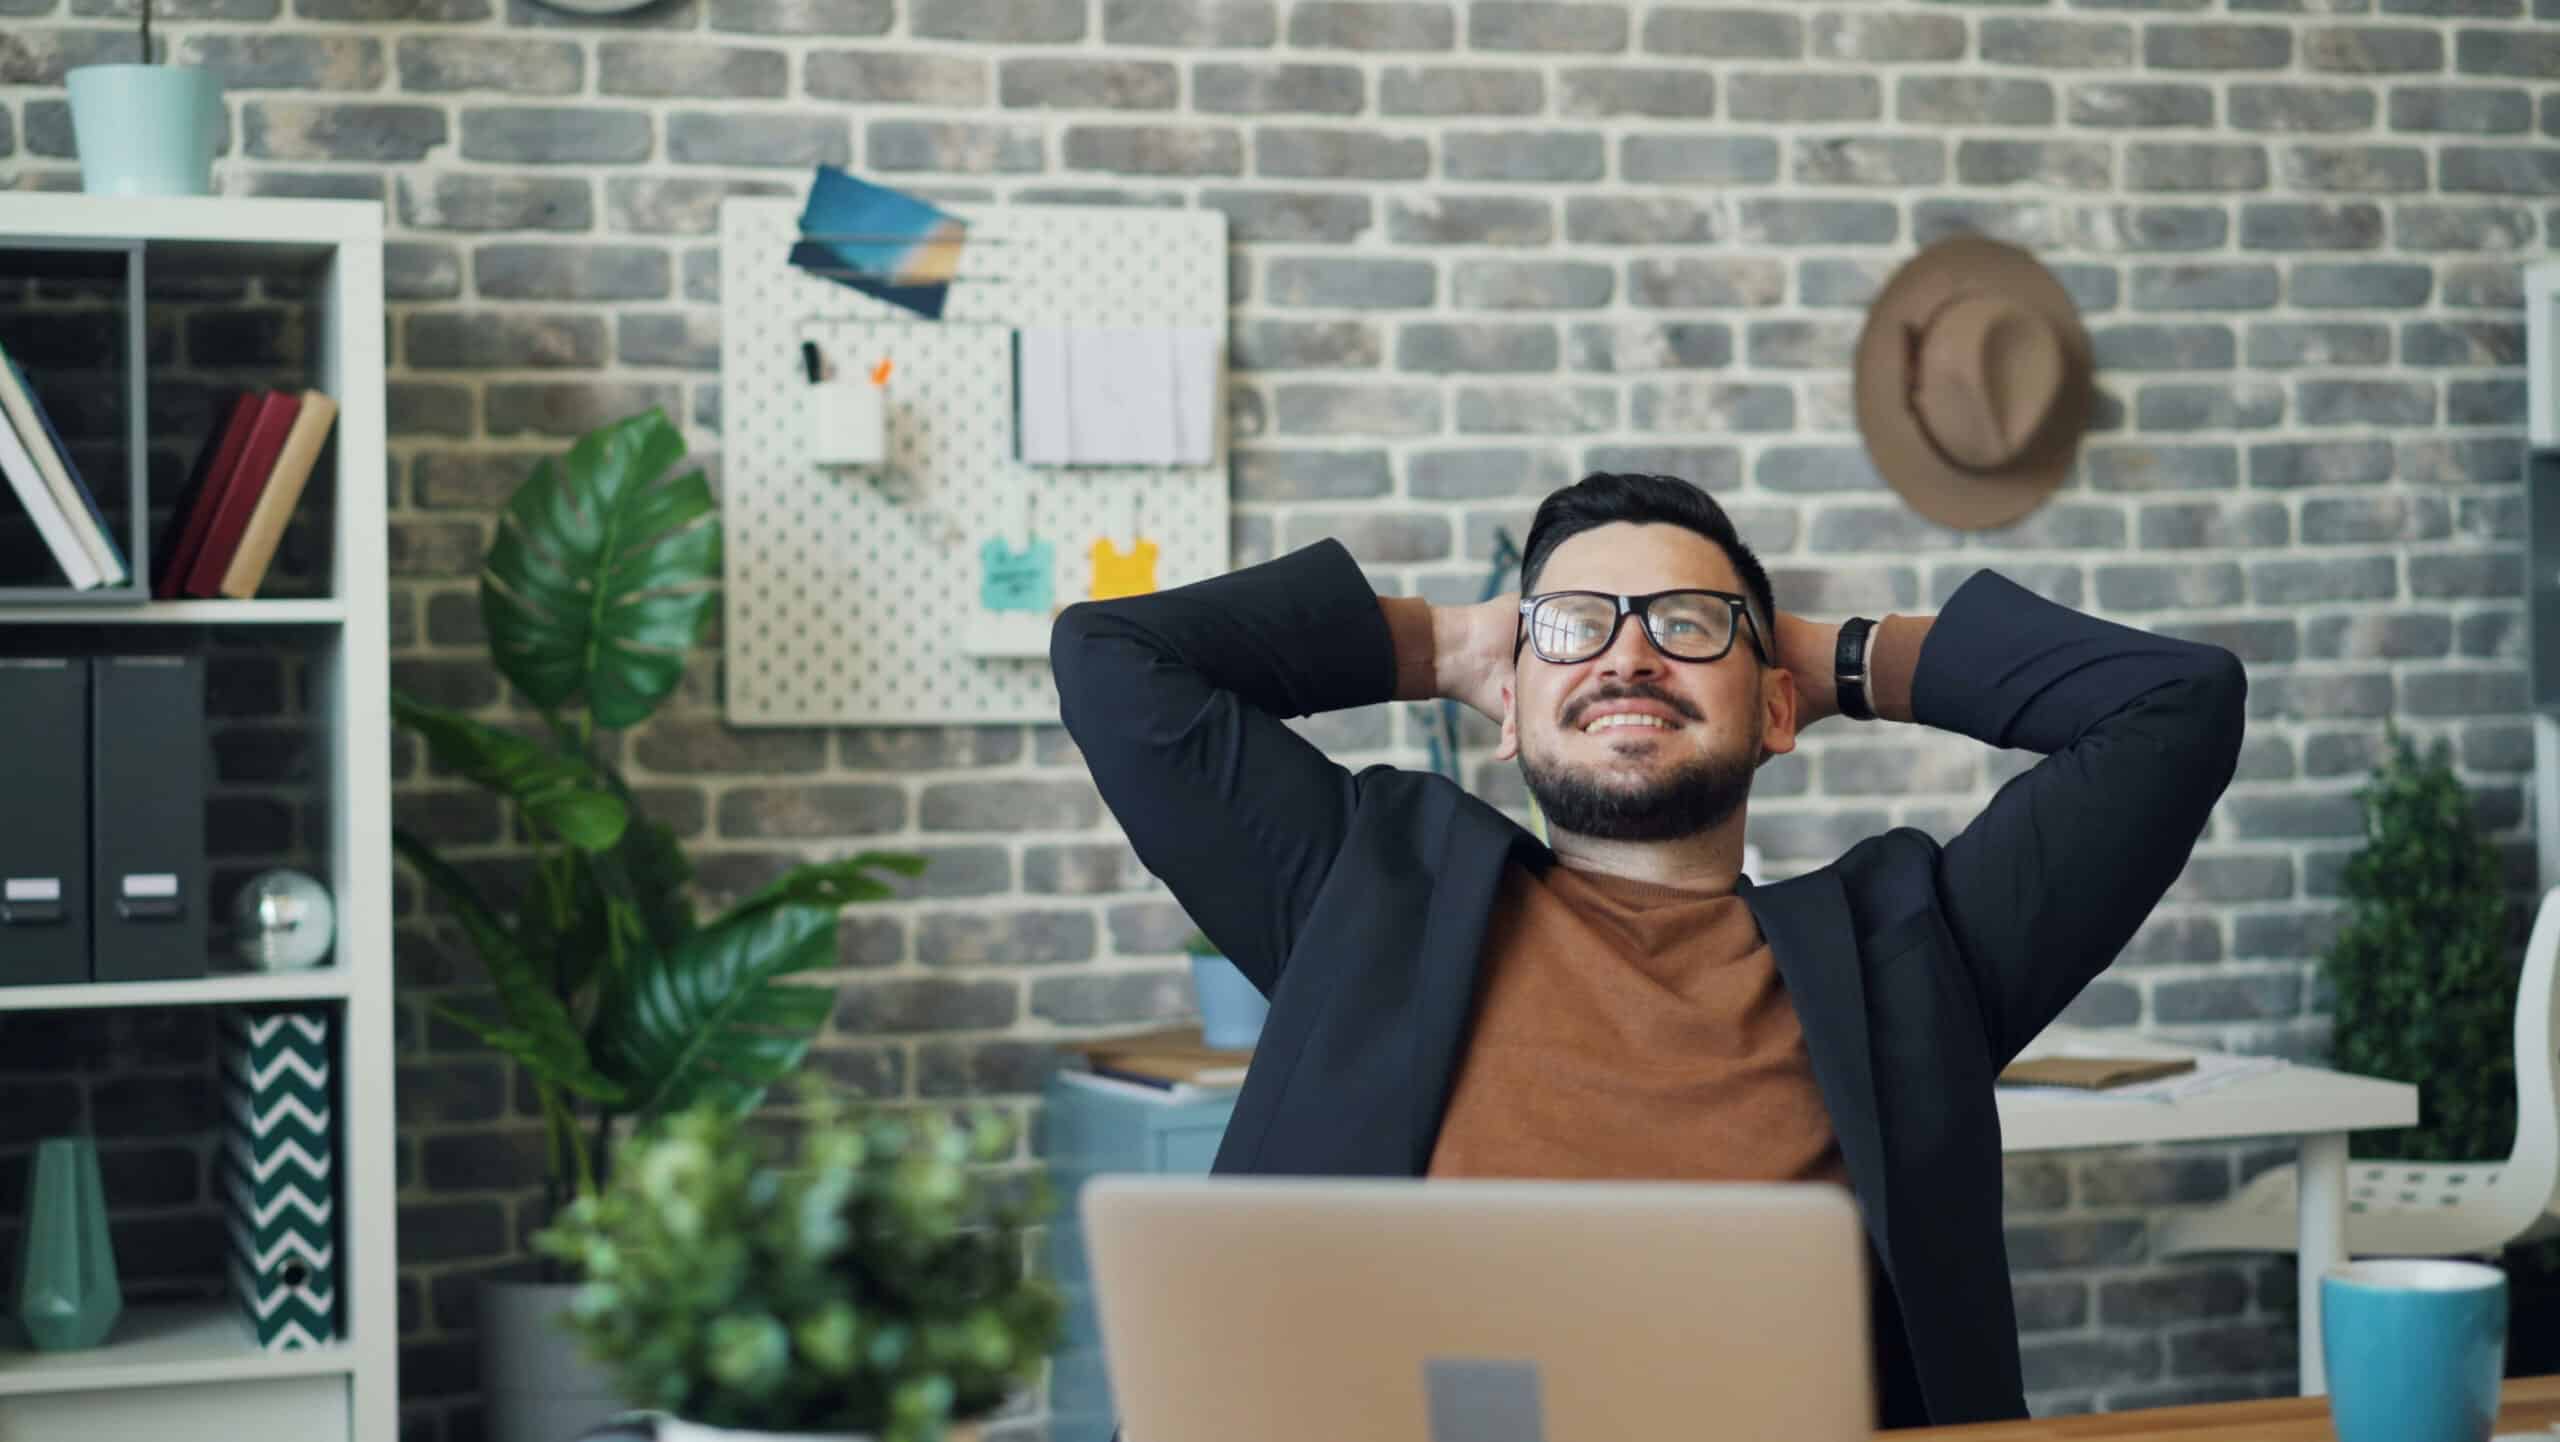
379, 134
2154, 345
1358, 284
415, 409
2364, 637
1613, 90
1451, 220
481, 201
2199, 286
288, 62
1546, 26
2485, 403
1484, 472
908, 749
1372, 25
1373, 538
702, 137
2156, 466
2461, 110
1720, 34
1190, 24
2181, 46
1308, 216
1287, 475
2079, 1243
2034, 1184
1712, 406
1452, 347
2153, 1181
2444, 577
925, 1004
1888, 39
811, 812
2183, 406
515, 65
2301, 109
2069, 164
1278, 89
2241, 1349
2158, 1301
1022, 938
2211, 524
1803, 99
1697, 160
678, 70
2140, 105
998, 22
2359, 285
1009, 805
682, 340
2360, 696
1817, 222
1713, 468
2193, 167
1537, 410
1696, 282
1549, 156
564, 135
1115, 999
2292, 225
892, 79
1800, 469
447, 1232
1971, 100
2462, 227
674, 205
2525, 54
1530, 285
957, 146
801, 17
2366, 403
2502, 170
2318, 344
2462, 343
2439, 461
1460, 90
2305, 580
1350, 410
2056, 44
1277, 345
2195, 586
506, 340
2154, 227
1896, 770
2376, 168
1869, 160
2372, 49
1312, 154
556, 272
34, 56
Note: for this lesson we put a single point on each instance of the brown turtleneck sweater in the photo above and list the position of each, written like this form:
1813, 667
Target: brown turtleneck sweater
1633, 1030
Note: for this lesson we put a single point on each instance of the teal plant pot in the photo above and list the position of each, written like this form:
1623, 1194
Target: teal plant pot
1231, 1011
68, 1295
145, 129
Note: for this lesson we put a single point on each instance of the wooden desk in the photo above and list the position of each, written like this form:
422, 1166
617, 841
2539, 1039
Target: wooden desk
2532, 1405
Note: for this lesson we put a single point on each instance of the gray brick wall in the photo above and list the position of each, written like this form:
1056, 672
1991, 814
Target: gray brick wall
1481, 247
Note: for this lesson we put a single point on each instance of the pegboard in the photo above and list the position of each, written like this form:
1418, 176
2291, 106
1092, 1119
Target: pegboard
846, 590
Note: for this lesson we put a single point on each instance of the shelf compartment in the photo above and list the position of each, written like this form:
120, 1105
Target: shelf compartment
319, 612
323, 983
167, 1345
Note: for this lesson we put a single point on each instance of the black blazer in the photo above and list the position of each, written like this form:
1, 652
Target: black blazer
1358, 903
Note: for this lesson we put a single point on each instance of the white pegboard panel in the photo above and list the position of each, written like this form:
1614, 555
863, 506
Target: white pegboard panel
847, 591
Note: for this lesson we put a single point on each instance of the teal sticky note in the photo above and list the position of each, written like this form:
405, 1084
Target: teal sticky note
1013, 580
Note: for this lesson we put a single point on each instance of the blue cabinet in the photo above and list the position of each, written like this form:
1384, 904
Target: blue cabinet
1086, 1133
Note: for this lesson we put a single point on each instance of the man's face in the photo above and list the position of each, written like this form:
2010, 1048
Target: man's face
1717, 720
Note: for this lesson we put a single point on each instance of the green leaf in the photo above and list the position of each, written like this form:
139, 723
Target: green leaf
833, 884
603, 573
709, 1022
559, 793
538, 1032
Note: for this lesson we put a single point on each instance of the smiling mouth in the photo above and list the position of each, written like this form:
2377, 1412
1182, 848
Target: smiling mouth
1628, 721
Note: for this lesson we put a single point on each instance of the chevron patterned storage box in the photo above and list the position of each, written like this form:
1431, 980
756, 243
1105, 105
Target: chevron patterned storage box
278, 1172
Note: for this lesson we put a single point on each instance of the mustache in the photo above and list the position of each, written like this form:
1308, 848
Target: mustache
1640, 691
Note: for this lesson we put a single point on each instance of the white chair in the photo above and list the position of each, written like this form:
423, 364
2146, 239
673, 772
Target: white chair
2426, 1209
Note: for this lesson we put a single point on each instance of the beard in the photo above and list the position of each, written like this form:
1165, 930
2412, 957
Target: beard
1697, 797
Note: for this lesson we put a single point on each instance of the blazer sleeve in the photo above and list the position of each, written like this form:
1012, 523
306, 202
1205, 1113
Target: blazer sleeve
2140, 733
1176, 699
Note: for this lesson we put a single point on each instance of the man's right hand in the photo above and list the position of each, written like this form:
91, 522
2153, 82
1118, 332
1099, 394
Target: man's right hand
1475, 646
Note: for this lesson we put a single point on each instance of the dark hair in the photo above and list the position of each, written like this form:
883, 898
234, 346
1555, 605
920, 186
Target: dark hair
1605, 497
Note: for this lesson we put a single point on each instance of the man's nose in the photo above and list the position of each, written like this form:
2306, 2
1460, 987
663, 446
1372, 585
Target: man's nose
1632, 654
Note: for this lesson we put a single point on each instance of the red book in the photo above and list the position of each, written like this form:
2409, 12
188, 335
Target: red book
240, 494
194, 508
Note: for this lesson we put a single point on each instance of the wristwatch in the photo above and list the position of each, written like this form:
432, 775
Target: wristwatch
1849, 668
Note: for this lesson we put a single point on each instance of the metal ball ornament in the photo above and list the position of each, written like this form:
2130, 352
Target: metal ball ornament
282, 920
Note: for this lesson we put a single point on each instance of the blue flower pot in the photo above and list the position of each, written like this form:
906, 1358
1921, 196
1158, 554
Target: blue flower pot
1231, 1011
145, 129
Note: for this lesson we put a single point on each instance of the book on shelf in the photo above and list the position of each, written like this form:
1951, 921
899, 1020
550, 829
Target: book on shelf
53, 524
247, 479
190, 515
1167, 1057
25, 412
276, 500
1153, 1093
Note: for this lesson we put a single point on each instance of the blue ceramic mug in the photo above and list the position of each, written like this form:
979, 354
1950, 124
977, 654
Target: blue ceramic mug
2415, 1349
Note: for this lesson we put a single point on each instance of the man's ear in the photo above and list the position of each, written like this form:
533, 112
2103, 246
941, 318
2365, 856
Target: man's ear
1509, 746
1778, 712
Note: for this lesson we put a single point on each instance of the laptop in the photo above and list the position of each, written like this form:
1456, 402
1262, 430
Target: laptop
1279, 1309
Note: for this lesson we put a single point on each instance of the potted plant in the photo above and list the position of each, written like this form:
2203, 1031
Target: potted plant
2424, 971
144, 127
1232, 1010
859, 1275
619, 1001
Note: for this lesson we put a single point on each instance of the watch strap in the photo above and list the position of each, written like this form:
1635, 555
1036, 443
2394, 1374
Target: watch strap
1849, 669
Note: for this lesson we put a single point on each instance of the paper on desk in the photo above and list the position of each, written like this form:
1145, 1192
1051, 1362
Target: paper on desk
2213, 1070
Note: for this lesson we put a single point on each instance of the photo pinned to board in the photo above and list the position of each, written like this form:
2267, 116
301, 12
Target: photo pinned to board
883, 242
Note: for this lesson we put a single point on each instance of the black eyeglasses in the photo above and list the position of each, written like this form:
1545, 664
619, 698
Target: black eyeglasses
1570, 627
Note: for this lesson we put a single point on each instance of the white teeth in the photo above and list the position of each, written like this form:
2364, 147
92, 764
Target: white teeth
1625, 718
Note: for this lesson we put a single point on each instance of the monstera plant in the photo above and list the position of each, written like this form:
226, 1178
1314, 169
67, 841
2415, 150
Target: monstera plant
620, 1002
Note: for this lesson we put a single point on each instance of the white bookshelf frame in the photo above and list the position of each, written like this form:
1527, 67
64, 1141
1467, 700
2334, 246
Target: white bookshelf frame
191, 1346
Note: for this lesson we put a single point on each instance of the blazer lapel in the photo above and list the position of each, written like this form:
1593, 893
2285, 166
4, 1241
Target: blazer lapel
1806, 921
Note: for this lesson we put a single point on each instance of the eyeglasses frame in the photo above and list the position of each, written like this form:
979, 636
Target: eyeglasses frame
1641, 606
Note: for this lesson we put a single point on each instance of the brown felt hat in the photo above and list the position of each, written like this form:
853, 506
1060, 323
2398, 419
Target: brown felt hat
1973, 382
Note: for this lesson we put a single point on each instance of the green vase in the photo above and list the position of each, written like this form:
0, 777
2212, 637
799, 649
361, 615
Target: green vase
67, 1291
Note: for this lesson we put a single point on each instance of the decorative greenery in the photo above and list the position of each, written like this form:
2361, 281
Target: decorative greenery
610, 991
1199, 944
866, 1277
2424, 977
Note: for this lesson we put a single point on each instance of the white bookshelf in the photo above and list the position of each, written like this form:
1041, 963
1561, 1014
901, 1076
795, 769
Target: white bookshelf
194, 1366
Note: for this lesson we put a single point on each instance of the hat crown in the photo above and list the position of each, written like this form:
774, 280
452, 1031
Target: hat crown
1987, 375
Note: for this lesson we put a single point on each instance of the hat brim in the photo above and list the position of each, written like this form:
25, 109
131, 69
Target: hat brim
1881, 385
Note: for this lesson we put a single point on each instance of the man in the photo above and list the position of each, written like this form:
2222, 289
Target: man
1450, 997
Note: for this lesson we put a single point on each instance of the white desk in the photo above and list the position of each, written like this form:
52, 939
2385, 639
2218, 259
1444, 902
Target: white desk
2314, 1106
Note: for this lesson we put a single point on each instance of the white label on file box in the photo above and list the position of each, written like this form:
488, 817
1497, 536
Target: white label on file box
32, 888
150, 884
